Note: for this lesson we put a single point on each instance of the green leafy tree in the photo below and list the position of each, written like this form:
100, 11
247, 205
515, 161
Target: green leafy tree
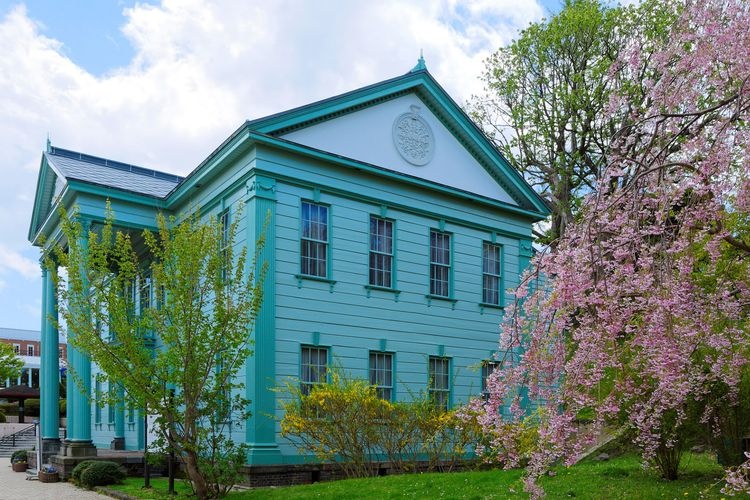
547, 92
177, 345
10, 364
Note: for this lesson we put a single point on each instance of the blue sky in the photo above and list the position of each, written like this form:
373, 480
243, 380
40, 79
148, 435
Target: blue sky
90, 30
161, 84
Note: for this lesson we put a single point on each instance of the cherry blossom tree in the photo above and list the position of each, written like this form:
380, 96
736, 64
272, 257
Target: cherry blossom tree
641, 315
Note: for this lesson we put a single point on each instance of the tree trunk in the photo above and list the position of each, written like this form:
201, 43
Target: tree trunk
194, 474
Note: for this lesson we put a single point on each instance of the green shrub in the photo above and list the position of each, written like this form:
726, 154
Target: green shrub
31, 407
2, 416
19, 456
63, 407
9, 408
78, 470
101, 474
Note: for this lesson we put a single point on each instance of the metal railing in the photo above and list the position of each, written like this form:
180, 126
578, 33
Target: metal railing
11, 438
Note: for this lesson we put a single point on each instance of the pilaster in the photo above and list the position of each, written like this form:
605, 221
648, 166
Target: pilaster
261, 366
118, 443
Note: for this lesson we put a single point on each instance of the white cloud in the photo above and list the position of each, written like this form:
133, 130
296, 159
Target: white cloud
13, 261
200, 69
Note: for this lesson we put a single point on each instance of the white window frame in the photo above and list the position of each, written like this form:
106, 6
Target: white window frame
312, 242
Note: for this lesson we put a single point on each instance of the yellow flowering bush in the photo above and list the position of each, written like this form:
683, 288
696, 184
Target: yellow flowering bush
345, 421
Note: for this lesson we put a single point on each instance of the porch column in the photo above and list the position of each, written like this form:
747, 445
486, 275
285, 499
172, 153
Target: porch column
49, 370
260, 368
79, 423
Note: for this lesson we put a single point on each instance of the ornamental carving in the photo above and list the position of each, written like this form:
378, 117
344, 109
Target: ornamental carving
413, 138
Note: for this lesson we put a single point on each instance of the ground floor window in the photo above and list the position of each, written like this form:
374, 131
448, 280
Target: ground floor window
314, 367
381, 374
487, 368
439, 387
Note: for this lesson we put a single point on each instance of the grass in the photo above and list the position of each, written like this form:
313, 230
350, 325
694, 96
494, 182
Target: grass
619, 478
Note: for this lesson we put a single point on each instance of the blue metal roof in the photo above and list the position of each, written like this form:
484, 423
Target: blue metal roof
109, 173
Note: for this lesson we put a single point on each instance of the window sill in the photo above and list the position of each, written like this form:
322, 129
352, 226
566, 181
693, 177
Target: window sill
431, 297
303, 277
370, 288
487, 305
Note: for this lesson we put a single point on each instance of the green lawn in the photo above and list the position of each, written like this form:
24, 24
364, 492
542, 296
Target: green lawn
621, 477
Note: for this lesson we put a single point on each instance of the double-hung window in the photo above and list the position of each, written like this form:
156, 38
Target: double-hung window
487, 368
439, 388
111, 402
440, 263
97, 400
30, 350
381, 252
144, 293
314, 367
491, 274
381, 374
225, 230
16, 348
314, 241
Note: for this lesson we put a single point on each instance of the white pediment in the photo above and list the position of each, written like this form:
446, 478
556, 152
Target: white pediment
403, 135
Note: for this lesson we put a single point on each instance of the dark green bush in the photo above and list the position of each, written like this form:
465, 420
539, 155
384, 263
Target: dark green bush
31, 407
19, 456
2, 416
78, 470
63, 407
9, 408
101, 474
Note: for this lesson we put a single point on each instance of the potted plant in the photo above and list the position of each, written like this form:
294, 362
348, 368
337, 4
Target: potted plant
48, 474
19, 460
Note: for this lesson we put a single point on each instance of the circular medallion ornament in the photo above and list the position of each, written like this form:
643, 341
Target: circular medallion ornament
413, 138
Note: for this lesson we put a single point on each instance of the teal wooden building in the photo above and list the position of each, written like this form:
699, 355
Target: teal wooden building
396, 230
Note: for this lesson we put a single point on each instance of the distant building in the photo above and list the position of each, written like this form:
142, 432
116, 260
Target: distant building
27, 345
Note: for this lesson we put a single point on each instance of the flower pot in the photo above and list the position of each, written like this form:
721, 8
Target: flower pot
48, 477
20, 466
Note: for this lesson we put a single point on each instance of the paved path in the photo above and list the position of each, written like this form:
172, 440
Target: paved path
14, 486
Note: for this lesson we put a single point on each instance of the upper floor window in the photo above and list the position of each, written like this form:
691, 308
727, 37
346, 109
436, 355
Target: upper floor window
381, 374
381, 252
491, 274
440, 263
439, 389
30, 350
314, 367
314, 242
17, 348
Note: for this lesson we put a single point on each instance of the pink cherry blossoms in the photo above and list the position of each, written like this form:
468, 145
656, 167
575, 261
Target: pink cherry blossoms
640, 316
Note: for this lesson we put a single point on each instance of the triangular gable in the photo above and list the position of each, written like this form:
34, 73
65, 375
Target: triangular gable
50, 185
345, 125
419, 145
